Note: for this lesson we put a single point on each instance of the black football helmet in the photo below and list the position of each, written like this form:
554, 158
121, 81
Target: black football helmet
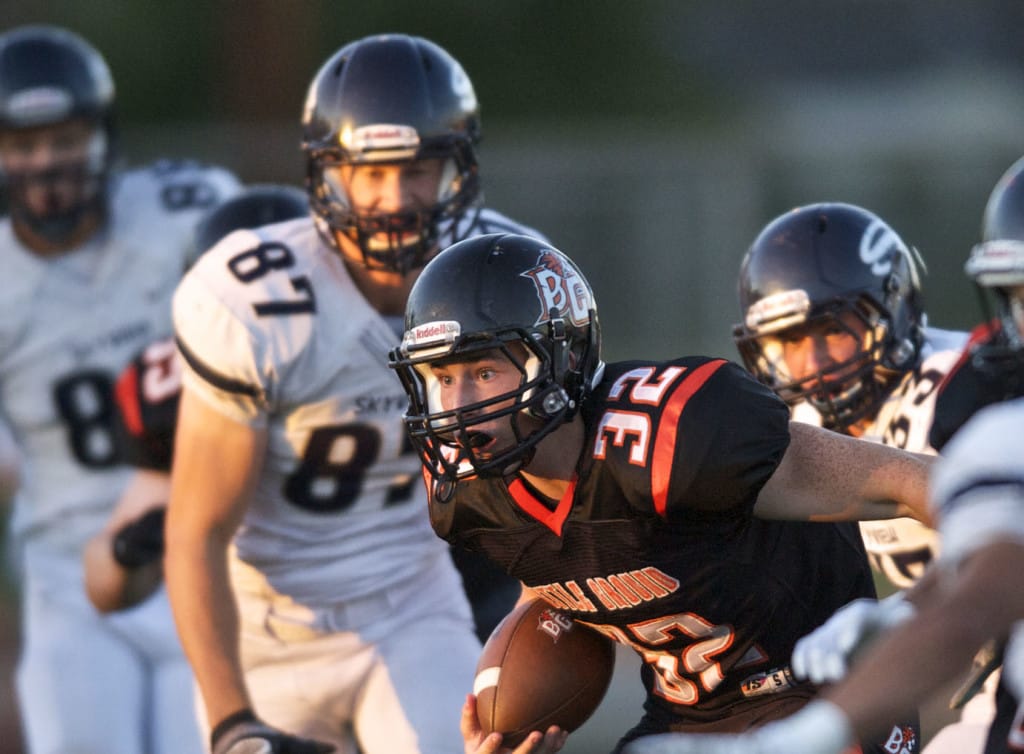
49, 75
392, 99
809, 266
996, 265
256, 205
495, 292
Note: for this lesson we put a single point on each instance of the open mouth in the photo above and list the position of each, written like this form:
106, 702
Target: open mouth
479, 441
835, 393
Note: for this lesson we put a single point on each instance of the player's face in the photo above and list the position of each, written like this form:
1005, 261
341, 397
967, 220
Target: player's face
47, 167
386, 188
480, 378
818, 346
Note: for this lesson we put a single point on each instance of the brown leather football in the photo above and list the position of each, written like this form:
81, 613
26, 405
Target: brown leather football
541, 668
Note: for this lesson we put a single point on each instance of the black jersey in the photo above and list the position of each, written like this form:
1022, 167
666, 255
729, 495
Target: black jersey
146, 401
969, 387
655, 543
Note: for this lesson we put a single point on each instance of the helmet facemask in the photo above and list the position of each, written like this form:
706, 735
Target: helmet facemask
453, 442
843, 392
997, 268
403, 240
88, 176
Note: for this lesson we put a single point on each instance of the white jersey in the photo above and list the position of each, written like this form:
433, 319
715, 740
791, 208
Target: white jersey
69, 324
275, 334
901, 548
977, 490
978, 495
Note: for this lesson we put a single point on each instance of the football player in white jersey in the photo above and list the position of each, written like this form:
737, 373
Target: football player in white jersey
989, 370
833, 322
91, 255
970, 596
312, 598
124, 562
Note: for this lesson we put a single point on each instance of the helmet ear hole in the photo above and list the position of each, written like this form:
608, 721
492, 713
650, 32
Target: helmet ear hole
550, 402
901, 356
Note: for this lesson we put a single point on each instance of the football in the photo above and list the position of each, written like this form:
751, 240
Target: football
540, 668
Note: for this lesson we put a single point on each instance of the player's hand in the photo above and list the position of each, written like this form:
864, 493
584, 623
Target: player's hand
819, 728
824, 655
537, 742
141, 541
243, 733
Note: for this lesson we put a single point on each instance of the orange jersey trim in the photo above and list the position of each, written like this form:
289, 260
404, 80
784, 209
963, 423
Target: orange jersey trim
663, 453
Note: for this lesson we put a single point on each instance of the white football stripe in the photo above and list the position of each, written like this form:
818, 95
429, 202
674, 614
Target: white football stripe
485, 679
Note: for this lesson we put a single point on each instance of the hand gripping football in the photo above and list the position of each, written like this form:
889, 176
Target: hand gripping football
540, 668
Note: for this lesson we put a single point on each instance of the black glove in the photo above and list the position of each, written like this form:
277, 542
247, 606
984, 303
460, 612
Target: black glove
244, 733
141, 541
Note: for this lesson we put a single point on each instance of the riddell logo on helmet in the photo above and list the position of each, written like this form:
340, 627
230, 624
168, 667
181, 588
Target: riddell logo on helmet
390, 137
41, 104
433, 332
561, 288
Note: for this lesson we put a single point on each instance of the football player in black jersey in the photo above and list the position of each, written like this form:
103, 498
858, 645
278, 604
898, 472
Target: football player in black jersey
991, 369
671, 505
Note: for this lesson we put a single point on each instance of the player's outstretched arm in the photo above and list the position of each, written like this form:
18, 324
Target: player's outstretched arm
827, 476
216, 464
538, 742
123, 564
896, 674
818, 728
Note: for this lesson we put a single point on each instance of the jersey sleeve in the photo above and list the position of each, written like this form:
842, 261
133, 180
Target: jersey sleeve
147, 395
687, 438
965, 390
731, 436
219, 348
977, 489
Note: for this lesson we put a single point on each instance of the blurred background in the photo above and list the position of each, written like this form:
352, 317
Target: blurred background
651, 139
